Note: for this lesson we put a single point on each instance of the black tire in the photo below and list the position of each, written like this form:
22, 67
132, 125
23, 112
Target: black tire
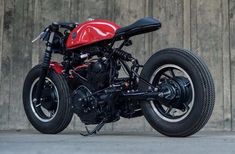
63, 115
203, 87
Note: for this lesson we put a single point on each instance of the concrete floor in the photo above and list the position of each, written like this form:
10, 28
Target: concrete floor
24, 142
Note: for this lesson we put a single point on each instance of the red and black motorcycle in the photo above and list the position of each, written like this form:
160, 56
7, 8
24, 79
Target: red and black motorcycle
174, 89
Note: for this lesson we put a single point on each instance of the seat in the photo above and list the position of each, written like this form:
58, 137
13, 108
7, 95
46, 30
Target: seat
144, 25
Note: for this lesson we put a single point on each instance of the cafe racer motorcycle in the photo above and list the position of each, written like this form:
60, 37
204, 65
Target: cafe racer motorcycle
173, 90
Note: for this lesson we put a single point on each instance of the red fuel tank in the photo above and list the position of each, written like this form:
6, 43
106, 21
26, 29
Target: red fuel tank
90, 32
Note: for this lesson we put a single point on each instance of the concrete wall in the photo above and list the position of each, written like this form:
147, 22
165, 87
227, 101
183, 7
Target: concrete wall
205, 26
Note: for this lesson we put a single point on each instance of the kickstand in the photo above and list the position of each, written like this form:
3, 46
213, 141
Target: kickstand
95, 130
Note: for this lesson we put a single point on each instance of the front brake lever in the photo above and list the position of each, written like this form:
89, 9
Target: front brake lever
38, 37
42, 35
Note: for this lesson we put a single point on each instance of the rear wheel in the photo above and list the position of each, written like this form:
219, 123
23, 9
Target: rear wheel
52, 113
194, 88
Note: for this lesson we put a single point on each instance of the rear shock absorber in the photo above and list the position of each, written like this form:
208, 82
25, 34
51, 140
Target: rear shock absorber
123, 55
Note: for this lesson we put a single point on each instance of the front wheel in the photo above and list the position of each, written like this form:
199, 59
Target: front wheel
193, 90
52, 113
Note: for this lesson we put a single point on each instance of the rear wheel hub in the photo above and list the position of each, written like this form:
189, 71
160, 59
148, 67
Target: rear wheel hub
177, 91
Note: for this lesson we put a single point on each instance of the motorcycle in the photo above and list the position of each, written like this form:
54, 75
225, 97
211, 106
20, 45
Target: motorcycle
173, 90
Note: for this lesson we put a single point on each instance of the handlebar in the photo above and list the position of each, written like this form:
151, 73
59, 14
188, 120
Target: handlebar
55, 27
66, 25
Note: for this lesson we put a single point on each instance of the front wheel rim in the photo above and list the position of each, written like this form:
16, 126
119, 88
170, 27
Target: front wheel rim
190, 105
41, 113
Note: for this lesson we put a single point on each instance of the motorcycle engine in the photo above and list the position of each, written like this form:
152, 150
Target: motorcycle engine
87, 106
98, 74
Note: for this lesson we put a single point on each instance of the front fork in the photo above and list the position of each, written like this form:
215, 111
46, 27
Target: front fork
45, 67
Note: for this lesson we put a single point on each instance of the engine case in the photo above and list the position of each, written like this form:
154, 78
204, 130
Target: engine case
98, 74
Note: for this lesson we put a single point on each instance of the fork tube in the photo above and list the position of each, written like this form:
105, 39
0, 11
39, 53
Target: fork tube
45, 67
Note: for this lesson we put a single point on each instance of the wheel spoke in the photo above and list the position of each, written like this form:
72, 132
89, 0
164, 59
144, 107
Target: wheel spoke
168, 110
173, 111
51, 114
38, 105
186, 108
187, 84
172, 72
166, 75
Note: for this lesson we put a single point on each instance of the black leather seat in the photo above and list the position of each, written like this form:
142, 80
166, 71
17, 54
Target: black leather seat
144, 25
